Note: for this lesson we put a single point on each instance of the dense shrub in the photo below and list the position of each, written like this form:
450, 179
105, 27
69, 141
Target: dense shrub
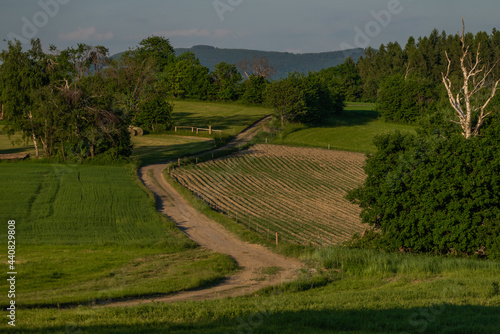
306, 99
155, 114
434, 194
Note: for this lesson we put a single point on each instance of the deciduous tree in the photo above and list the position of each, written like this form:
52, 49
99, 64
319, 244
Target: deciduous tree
227, 81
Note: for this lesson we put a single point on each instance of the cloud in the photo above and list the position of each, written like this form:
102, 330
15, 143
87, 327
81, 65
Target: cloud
220, 33
86, 34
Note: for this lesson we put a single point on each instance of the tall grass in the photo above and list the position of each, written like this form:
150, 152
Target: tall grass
371, 263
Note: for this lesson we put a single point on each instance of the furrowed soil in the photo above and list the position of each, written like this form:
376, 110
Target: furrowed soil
297, 192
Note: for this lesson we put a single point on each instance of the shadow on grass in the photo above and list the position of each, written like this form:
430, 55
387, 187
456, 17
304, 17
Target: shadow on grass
351, 118
217, 122
434, 319
160, 154
14, 150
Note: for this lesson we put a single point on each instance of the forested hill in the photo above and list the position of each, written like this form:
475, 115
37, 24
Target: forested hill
284, 62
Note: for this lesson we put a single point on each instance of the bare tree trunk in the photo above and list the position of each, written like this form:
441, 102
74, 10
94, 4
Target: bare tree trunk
408, 70
62, 151
35, 144
45, 148
475, 79
33, 137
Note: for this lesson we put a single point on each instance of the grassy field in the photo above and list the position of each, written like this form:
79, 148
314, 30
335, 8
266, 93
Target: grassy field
358, 291
353, 130
297, 192
87, 233
229, 117
14, 144
153, 148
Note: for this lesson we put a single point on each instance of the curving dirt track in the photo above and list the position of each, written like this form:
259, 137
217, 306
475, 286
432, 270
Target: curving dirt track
209, 234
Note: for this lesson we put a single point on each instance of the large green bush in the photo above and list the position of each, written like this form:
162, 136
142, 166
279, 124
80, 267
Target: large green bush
305, 99
155, 114
434, 194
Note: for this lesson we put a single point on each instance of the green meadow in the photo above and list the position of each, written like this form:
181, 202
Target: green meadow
352, 130
229, 117
352, 291
92, 233
159, 148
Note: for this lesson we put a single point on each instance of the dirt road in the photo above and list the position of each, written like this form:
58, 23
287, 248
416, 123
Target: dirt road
209, 234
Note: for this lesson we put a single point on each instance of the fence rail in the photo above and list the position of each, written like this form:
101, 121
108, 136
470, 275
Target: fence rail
193, 128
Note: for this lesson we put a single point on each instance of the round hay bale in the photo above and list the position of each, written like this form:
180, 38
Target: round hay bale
139, 131
135, 131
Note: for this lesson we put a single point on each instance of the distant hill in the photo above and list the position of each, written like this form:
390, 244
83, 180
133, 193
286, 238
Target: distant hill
285, 62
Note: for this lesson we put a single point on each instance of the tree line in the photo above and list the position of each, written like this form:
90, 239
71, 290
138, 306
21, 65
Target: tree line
406, 82
62, 101
78, 103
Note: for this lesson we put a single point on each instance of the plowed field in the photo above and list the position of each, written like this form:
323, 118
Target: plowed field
297, 192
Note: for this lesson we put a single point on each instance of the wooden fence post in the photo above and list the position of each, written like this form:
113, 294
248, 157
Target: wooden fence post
276, 238
210, 130
175, 129
179, 162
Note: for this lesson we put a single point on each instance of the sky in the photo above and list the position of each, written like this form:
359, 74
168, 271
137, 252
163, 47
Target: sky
296, 26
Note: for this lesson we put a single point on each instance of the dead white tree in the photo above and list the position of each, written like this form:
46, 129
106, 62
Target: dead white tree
260, 67
476, 77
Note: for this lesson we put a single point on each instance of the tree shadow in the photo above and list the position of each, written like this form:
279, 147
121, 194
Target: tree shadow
433, 319
164, 153
217, 122
14, 150
352, 118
